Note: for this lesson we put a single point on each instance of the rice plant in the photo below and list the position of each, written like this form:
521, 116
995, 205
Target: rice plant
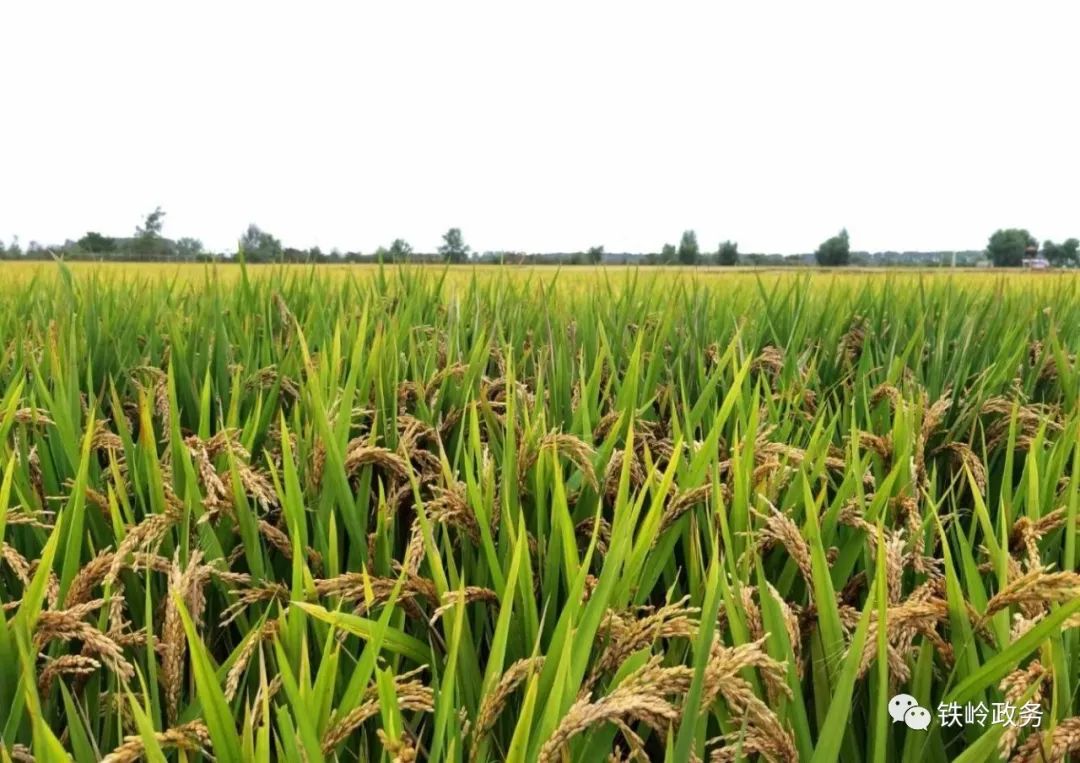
447, 515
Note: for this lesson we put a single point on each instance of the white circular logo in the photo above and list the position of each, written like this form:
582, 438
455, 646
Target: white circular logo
903, 708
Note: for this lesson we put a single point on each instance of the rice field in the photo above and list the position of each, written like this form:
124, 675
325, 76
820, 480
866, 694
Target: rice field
537, 515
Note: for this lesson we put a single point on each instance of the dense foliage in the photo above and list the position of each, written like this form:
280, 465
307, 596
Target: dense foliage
1008, 247
304, 515
728, 253
834, 251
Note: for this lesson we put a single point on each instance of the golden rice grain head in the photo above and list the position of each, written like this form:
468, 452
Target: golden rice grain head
493, 703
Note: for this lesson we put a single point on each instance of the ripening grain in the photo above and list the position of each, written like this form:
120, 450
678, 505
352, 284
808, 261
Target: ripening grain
534, 515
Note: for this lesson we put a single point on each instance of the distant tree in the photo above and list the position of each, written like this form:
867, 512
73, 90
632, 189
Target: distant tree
400, 250
71, 250
259, 246
189, 248
152, 224
454, 248
95, 243
1008, 246
689, 253
835, 251
667, 254
1061, 254
595, 255
148, 235
1070, 250
315, 254
14, 250
728, 253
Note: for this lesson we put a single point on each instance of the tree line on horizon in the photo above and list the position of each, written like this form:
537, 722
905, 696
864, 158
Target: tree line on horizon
1007, 247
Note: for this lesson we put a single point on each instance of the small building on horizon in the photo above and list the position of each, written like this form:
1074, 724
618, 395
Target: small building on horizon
1033, 260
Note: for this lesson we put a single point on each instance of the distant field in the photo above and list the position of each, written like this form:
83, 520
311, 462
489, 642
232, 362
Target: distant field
187, 272
536, 514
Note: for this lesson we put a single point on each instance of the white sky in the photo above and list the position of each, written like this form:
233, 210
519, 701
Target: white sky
544, 126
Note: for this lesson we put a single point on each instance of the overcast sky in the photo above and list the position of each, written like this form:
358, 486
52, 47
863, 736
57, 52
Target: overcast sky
546, 126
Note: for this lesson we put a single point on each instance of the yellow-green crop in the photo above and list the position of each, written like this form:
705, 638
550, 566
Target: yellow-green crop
458, 515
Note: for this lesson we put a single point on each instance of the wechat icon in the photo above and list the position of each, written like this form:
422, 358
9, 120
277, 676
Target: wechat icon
905, 708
